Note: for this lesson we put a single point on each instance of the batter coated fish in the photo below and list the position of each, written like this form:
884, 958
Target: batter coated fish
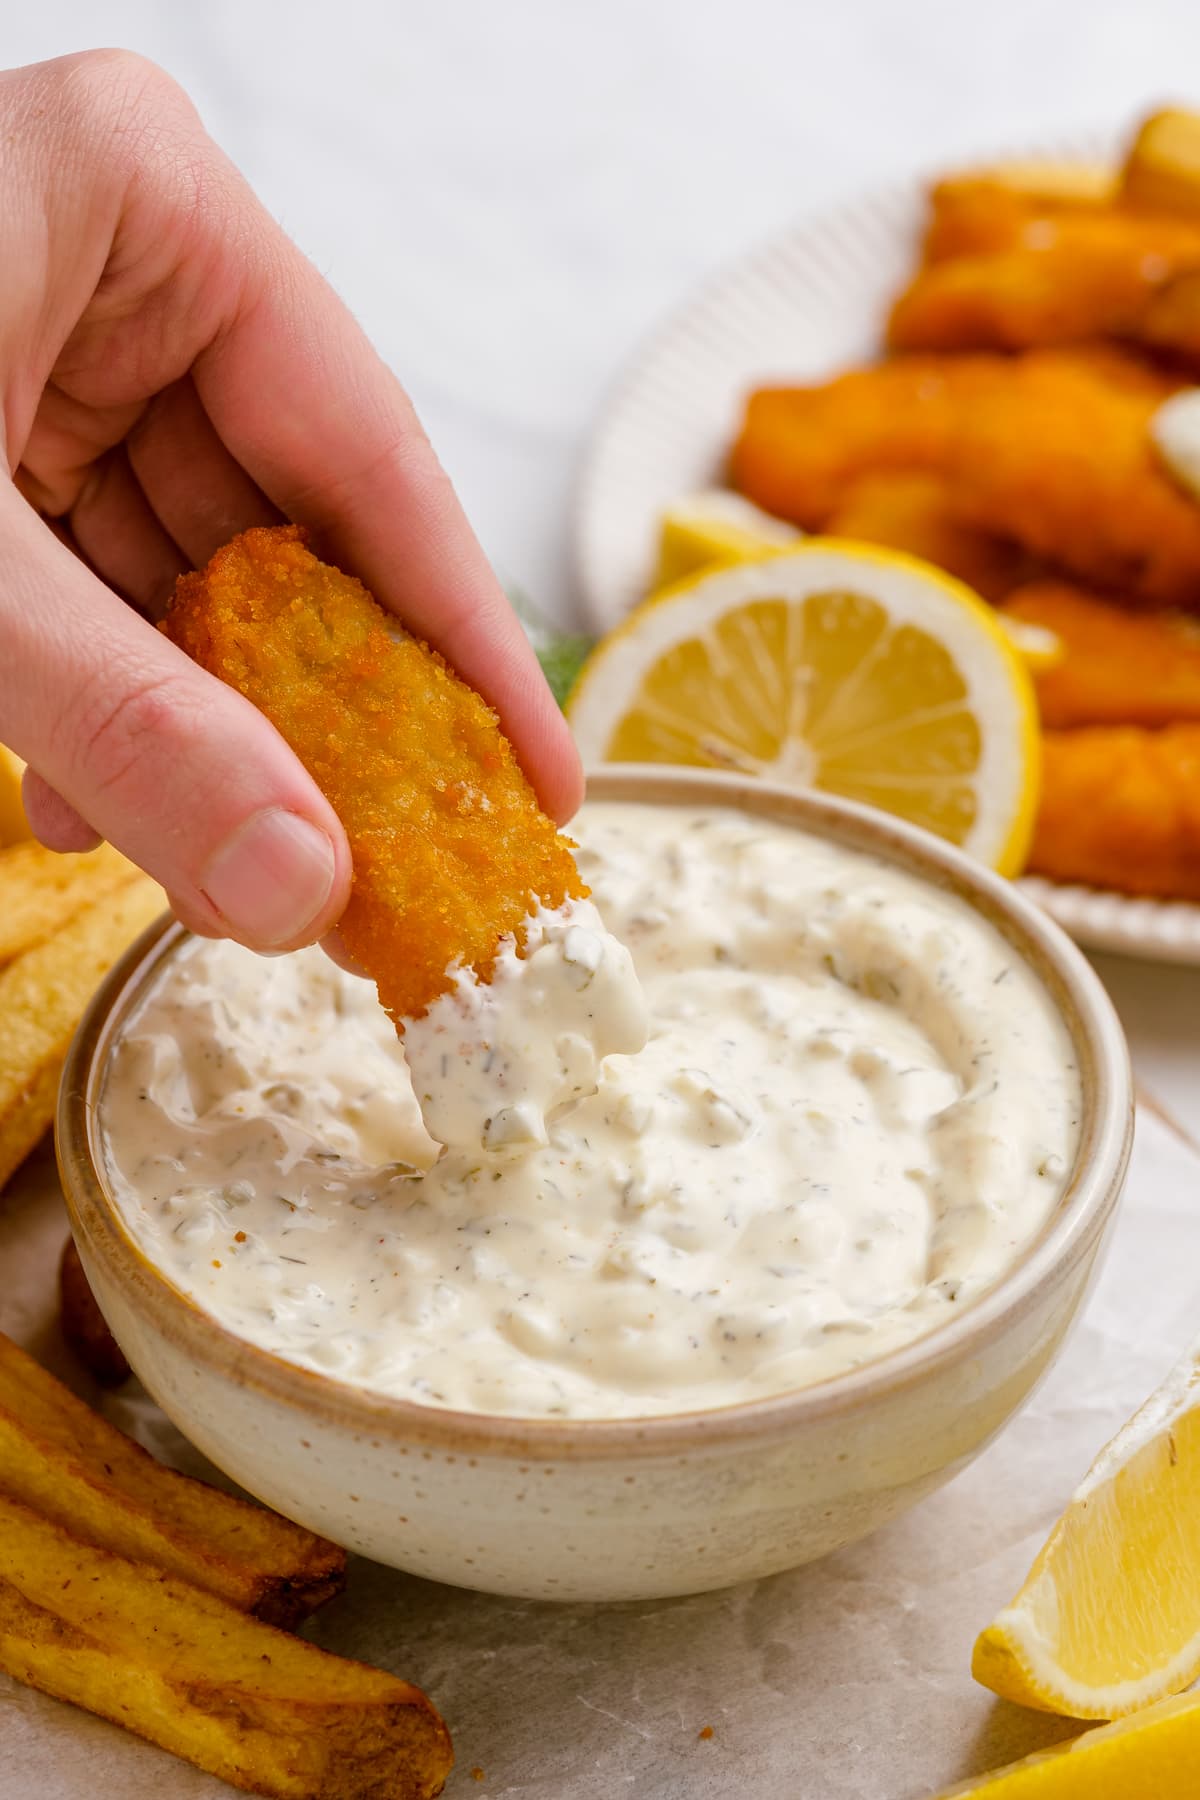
451, 851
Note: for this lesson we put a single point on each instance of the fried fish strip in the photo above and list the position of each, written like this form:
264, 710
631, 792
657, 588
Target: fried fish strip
451, 851
73, 1466
987, 209
268, 1712
1120, 668
913, 513
1172, 320
1058, 280
43, 994
1121, 809
1162, 169
1051, 450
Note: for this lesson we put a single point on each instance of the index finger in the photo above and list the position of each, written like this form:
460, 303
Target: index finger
322, 425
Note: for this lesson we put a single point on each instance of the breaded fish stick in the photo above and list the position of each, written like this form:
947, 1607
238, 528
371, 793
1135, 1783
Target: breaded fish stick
1121, 809
1052, 450
1060, 280
1162, 169
451, 851
913, 513
1120, 668
987, 209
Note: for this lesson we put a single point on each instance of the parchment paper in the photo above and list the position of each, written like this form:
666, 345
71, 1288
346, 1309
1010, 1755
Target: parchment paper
848, 1680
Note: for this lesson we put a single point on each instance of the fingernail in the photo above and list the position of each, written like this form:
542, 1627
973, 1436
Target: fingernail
271, 878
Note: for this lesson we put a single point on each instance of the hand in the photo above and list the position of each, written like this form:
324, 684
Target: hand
172, 370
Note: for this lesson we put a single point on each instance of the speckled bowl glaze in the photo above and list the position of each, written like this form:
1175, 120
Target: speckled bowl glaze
618, 1510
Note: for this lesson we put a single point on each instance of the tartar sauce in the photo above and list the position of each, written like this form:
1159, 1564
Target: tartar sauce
855, 1107
493, 1063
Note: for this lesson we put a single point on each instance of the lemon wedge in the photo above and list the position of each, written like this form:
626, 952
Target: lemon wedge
14, 826
855, 670
1155, 1755
715, 527
1109, 1619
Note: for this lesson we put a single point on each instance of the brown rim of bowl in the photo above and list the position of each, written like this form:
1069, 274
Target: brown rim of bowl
1070, 1234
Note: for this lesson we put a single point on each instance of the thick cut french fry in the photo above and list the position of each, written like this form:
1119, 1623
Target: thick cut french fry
14, 826
84, 1327
42, 998
41, 891
1162, 170
68, 1462
265, 1711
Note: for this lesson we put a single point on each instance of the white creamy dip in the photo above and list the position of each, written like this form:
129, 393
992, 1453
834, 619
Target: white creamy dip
493, 1063
856, 1105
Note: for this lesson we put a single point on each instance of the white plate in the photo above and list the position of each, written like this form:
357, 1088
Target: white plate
807, 304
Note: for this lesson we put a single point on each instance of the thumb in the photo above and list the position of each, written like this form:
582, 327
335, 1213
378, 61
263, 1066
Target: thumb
171, 766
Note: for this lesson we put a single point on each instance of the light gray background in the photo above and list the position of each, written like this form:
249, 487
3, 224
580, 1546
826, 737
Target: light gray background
509, 192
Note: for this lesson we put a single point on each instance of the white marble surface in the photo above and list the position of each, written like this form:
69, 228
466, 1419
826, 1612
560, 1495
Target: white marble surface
508, 194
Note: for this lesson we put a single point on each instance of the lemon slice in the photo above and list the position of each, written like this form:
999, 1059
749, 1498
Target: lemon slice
1109, 1619
710, 529
14, 826
715, 527
1155, 1755
855, 670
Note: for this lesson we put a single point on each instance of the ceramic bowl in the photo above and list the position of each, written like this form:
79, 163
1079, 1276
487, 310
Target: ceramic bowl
629, 1509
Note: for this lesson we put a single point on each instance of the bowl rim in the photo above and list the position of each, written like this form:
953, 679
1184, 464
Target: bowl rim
1080, 1218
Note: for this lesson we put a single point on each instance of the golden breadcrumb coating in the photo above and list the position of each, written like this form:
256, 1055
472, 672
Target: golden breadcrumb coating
451, 850
913, 513
1058, 280
1120, 809
1119, 667
1051, 450
985, 210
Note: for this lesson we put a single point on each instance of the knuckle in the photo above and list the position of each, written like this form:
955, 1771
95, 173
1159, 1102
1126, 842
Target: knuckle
119, 734
118, 109
116, 83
